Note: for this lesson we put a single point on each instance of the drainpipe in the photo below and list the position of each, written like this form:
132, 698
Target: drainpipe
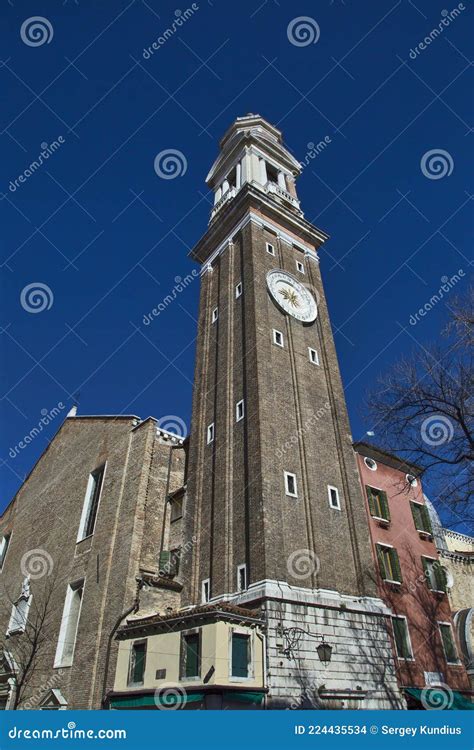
134, 608
263, 639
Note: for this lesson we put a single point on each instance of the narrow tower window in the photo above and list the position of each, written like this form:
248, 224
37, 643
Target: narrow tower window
210, 433
290, 484
299, 266
91, 503
69, 625
313, 356
215, 314
278, 338
238, 290
205, 590
270, 248
241, 577
239, 411
333, 495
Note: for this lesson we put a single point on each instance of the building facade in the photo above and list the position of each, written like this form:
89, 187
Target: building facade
80, 548
413, 581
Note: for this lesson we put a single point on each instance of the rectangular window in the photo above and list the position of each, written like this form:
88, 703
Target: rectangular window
378, 503
4, 548
215, 314
389, 563
421, 518
191, 655
20, 609
205, 591
402, 638
241, 577
176, 509
91, 503
313, 356
210, 433
435, 574
137, 663
449, 645
238, 290
290, 484
240, 655
299, 266
69, 625
333, 495
270, 248
277, 338
239, 411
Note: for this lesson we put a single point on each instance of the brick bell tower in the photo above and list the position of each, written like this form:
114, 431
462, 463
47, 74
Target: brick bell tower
274, 511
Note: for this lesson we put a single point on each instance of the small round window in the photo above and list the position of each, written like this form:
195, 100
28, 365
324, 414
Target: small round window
412, 481
370, 463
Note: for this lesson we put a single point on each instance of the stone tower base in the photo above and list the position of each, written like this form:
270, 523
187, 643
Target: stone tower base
361, 671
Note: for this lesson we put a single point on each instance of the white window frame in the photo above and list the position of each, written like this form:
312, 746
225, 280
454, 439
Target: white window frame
240, 405
403, 658
60, 660
238, 290
210, 433
241, 568
275, 335
87, 501
4, 547
205, 595
311, 352
451, 663
334, 507
26, 597
300, 266
287, 475
371, 468
270, 248
433, 560
215, 315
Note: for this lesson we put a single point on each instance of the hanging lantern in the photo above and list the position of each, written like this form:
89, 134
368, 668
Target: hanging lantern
324, 652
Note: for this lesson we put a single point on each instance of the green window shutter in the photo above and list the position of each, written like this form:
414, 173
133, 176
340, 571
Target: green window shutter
192, 656
441, 578
401, 637
396, 565
370, 499
381, 560
426, 520
240, 655
415, 511
448, 643
426, 569
384, 505
164, 563
138, 663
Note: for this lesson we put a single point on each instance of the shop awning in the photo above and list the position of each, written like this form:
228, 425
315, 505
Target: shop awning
440, 698
146, 701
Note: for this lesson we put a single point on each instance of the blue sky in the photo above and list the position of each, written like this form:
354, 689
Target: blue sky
107, 236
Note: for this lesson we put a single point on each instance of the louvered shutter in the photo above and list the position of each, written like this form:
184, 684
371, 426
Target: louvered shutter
396, 565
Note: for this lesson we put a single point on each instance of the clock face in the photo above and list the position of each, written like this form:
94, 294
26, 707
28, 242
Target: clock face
291, 296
